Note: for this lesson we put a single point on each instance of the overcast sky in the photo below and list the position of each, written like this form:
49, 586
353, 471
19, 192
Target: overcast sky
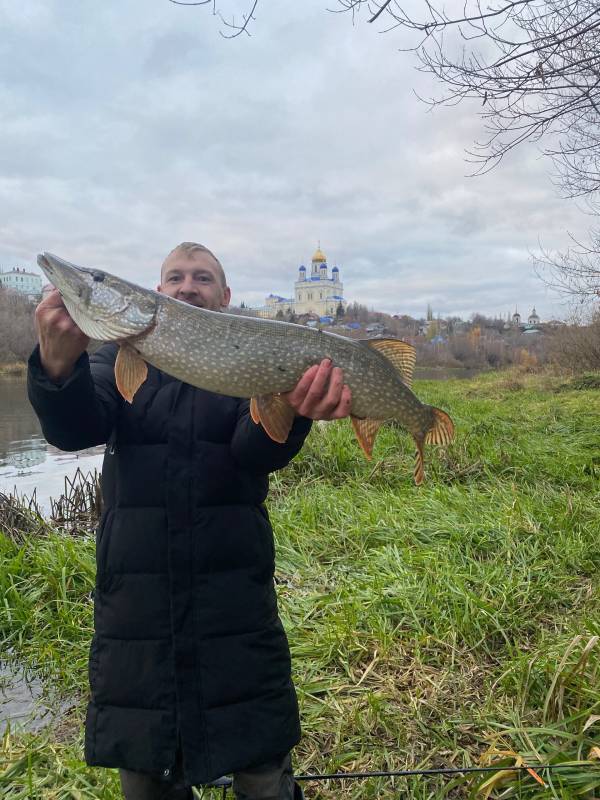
128, 127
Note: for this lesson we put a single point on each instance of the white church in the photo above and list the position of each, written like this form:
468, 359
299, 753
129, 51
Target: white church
317, 293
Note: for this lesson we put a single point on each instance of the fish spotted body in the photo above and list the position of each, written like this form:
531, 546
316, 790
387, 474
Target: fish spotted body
244, 356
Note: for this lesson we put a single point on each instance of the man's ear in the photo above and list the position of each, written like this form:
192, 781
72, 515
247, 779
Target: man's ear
159, 288
226, 297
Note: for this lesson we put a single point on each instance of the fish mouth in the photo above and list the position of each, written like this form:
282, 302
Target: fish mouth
103, 306
70, 280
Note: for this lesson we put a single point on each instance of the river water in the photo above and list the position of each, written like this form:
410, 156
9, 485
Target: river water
27, 462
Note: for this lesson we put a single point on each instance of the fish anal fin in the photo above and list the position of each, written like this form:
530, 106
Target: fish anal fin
275, 415
366, 431
442, 430
254, 411
400, 354
419, 473
130, 371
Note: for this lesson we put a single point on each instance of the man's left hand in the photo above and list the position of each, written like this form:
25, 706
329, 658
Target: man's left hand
321, 393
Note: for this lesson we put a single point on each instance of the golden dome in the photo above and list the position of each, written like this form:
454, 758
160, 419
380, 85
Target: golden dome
319, 255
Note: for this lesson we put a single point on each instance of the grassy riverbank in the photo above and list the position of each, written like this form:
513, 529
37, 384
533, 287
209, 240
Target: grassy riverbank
454, 624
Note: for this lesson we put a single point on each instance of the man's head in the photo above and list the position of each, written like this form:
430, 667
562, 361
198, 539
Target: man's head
192, 273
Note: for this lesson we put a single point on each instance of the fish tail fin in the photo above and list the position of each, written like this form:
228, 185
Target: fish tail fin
440, 431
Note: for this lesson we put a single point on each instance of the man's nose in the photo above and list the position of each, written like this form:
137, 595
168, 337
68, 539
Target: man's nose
188, 287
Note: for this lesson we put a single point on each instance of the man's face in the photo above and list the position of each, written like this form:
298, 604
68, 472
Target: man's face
195, 279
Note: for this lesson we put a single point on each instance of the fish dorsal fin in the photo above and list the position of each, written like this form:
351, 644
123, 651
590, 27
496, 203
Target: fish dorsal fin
130, 371
400, 354
275, 414
366, 431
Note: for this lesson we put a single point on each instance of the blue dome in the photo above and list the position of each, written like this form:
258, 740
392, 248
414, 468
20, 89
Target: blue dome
335, 269
302, 268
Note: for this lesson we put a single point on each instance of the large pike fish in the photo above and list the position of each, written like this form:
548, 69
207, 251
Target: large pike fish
244, 356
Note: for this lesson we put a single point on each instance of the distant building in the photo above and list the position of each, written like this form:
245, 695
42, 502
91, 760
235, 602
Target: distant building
515, 321
317, 293
19, 280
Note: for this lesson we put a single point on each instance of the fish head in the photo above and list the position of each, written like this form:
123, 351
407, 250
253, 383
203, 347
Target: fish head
103, 306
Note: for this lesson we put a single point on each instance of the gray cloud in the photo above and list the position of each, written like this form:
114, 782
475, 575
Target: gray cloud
128, 128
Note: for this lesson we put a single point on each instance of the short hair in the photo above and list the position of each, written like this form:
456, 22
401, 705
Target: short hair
189, 248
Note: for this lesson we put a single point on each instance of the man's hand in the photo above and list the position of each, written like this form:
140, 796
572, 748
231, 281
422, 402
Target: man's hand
321, 393
61, 341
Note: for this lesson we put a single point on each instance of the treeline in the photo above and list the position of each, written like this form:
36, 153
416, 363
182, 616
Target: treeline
17, 329
486, 343
480, 343
577, 347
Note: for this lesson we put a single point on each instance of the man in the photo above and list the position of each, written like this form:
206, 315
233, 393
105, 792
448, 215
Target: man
189, 665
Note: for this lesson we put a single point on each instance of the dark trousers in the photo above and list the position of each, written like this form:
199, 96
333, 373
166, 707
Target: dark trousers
273, 780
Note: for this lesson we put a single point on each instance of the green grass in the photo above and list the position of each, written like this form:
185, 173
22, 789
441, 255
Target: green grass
453, 624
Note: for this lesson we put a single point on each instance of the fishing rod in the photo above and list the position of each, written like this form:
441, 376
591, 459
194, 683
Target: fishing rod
226, 782
407, 773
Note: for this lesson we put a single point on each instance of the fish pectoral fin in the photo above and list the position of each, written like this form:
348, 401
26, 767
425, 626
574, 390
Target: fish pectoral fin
401, 355
275, 414
442, 430
419, 473
366, 431
130, 371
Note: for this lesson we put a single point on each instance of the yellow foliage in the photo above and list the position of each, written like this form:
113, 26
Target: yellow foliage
527, 360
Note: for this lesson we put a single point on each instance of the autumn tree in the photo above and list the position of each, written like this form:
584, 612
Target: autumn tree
17, 330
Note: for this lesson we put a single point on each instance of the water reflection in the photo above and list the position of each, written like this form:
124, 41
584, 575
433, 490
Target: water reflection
27, 462
21, 441
26, 454
23, 703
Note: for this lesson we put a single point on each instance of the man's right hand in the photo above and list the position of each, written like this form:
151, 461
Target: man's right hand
61, 341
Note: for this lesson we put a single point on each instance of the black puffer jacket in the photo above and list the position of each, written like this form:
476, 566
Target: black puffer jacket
188, 646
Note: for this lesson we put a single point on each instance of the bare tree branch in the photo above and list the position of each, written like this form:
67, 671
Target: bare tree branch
534, 65
200, 3
233, 28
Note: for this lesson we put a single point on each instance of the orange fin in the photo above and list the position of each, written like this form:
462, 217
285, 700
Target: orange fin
400, 354
254, 411
366, 431
442, 430
130, 371
419, 473
275, 414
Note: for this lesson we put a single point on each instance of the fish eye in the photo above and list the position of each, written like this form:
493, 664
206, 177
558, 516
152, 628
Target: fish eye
98, 277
